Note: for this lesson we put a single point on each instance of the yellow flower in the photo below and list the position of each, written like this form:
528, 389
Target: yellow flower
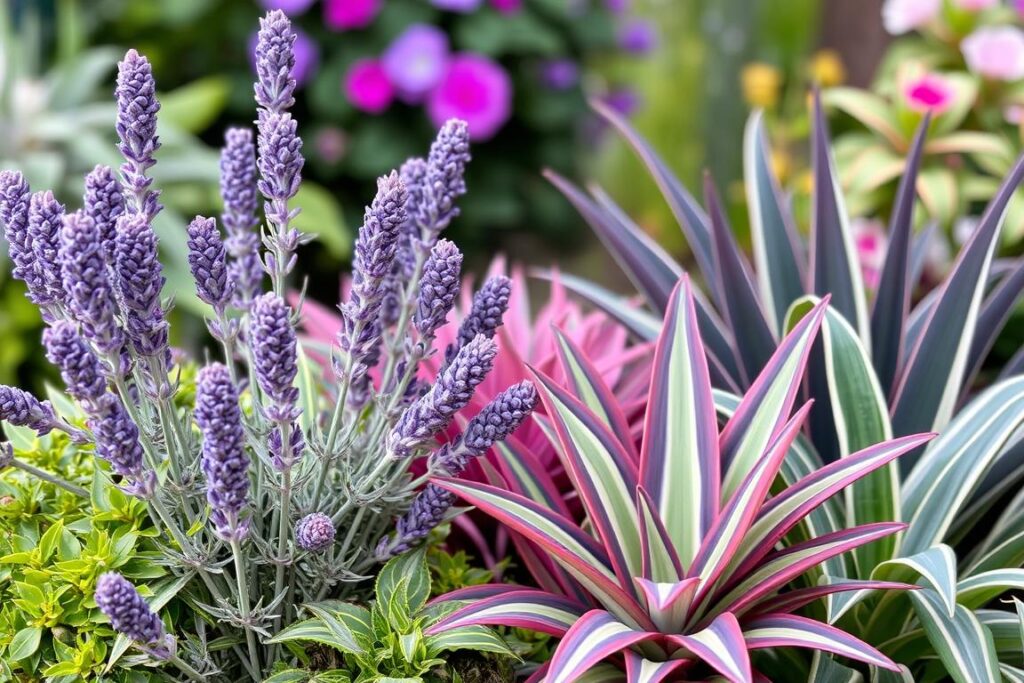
760, 83
781, 164
826, 68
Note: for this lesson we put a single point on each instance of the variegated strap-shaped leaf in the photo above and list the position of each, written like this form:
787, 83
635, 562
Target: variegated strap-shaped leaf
790, 630
892, 302
934, 568
602, 471
661, 561
944, 478
995, 311
685, 208
777, 248
679, 464
643, 324
963, 644
526, 475
975, 591
589, 387
593, 637
721, 646
783, 566
766, 406
797, 598
728, 534
577, 552
475, 638
924, 397
738, 300
518, 608
641, 670
835, 268
825, 669
668, 602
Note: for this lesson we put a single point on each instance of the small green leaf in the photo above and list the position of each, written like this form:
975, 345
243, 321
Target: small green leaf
24, 644
194, 106
321, 216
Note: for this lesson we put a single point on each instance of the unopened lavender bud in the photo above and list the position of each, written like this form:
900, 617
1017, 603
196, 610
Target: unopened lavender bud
275, 356
224, 462
87, 283
137, 109
450, 393
79, 367
207, 259
130, 615
439, 287
489, 305
275, 59
140, 281
14, 202
22, 409
117, 442
427, 511
314, 532
238, 191
280, 158
104, 203
497, 420
285, 458
45, 221
444, 181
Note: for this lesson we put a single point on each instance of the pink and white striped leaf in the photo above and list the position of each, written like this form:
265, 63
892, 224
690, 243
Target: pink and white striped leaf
793, 600
679, 464
519, 608
641, 670
790, 630
595, 636
721, 646
661, 562
668, 603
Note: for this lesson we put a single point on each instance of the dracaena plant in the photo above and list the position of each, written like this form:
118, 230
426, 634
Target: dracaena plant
250, 487
883, 368
386, 639
678, 574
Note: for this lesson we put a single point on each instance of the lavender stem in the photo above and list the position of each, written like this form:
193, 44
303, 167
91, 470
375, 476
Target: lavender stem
51, 478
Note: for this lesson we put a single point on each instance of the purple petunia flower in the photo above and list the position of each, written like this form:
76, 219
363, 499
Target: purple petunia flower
342, 15
476, 90
464, 6
560, 74
314, 532
367, 86
416, 61
129, 614
638, 36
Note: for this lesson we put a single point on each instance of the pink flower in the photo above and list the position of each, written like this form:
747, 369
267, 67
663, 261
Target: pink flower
930, 92
975, 5
367, 86
507, 6
342, 15
870, 239
901, 16
995, 52
476, 90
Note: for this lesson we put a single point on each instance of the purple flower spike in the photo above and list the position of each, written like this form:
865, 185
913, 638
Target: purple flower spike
443, 180
238, 191
450, 393
274, 352
439, 288
104, 203
79, 367
87, 283
207, 260
140, 280
15, 199
224, 461
22, 409
485, 317
275, 60
280, 159
45, 220
117, 442
427, 511
129, 614
314, 532
137, 108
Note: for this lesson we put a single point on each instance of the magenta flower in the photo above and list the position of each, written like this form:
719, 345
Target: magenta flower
930, 92
289, 7
476, 90
870, 240
343, 15
464, 6
995, 52
902, 16
306, 54
416, 61
638, 36
367, 86
507, 6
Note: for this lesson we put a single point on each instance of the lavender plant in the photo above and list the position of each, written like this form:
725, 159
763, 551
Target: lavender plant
278, 490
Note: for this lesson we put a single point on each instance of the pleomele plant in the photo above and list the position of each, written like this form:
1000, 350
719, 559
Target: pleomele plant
881, 369
678, 575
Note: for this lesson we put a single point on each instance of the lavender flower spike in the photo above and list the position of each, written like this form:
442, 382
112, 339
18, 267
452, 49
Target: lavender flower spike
238, 192
486, 314
139, 281
22, 409
428, 510
275, 59
129, 614
314, 532
45, 220
453, 389
439, 287
137, 108
14, 202
207, 259
274, 353
444, 181
117, 442
104, 203
224, 461
87, 283
79, 367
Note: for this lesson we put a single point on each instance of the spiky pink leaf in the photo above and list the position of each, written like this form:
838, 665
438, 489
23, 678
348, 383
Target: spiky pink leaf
790, 630
518, 608
640, 670
661, 561
721, 646
595, 636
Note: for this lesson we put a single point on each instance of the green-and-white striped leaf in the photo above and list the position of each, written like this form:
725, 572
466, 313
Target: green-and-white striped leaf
975, 591
963, 644
825, 669
477, 638
935, 567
